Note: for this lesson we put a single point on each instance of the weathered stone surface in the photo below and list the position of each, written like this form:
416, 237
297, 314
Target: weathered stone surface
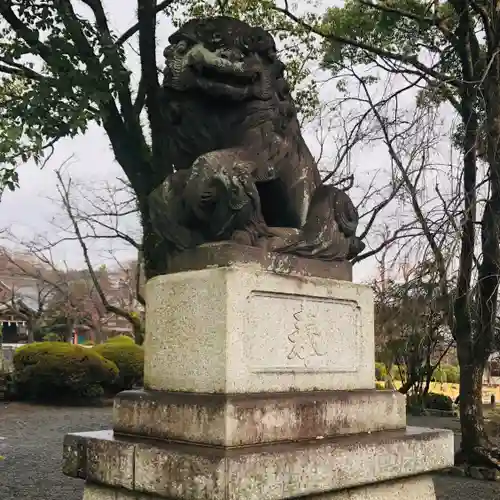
243, 171
240, 419
224, 254
418, 488
75, 456
276, 471
99, 458
239, 330
96, 492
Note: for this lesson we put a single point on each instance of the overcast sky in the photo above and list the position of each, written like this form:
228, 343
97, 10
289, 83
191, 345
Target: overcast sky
28, 211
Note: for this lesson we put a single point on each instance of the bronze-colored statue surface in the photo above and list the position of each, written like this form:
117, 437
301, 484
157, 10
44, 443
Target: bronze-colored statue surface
243, 170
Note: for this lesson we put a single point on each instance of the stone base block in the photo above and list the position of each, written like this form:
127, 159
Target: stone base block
226, 254
248, 419
417, 488
273, 472
239, 329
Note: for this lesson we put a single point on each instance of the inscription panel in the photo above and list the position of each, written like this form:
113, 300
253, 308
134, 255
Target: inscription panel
300, 334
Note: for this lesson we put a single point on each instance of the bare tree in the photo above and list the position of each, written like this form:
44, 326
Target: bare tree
35, 269
411, 331
92, 222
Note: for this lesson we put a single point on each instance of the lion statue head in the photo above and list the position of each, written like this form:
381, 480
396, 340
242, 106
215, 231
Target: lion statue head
223, 84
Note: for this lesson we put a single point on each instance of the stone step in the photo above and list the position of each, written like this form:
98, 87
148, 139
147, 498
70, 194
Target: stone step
247, 419
271, 472
414, 488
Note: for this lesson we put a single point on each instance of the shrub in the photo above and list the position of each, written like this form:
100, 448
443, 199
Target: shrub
128, 357
52, 337
121, 338
439, 375
10, 387
435, 401
60, 371
452, 374
379, 385
396, 372
446, 374
380, 371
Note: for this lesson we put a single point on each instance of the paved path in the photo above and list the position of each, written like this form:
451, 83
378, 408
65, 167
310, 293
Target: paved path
32, 447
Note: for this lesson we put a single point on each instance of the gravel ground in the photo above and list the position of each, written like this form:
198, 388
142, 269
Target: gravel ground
32, 447
31, 442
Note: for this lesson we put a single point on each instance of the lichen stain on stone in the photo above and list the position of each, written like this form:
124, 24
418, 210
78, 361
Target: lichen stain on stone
280, 264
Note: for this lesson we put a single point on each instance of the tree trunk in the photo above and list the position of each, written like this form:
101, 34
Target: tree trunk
407, 385
428, 380
138, 329
1, 351
154, 250
474, 353
98, 336
30, 325
471, 407
69, 333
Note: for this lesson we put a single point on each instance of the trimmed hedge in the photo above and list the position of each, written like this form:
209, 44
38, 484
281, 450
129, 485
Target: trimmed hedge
128, 357
435, 401
48, 371
120, 338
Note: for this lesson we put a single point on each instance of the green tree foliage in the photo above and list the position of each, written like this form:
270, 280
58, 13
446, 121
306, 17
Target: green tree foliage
69, 68
407, 33
78, 72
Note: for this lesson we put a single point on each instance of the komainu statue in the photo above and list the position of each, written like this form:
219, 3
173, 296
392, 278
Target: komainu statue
243, 172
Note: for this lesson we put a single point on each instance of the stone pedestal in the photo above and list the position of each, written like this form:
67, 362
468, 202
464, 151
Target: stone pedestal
259, 384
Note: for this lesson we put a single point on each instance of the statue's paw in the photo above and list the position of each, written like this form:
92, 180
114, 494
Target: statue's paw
242, 237
286, 233
356, 246
280, 238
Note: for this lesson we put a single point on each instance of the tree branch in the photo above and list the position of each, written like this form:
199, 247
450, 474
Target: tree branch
30, 36
135, 28
410, 60
64, 191
438, 255
15, 68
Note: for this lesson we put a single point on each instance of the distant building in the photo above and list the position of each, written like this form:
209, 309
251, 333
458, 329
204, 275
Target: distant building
14, 312
491, 374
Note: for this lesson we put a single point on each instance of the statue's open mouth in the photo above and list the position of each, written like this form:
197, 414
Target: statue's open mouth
226, 76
